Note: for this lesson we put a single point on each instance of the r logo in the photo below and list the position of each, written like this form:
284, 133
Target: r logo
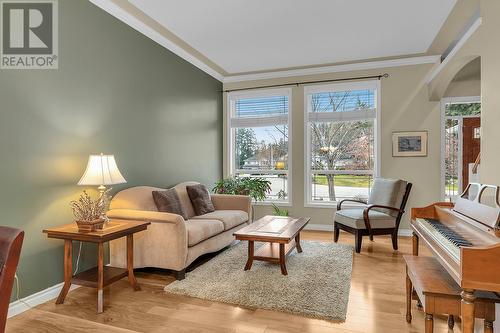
27, 27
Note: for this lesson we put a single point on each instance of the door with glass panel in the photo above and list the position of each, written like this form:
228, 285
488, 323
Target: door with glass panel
461, 143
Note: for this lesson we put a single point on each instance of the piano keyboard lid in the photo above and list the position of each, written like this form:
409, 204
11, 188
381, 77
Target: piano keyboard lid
480, 202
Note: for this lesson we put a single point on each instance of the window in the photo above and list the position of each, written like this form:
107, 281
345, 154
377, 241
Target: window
460, 144
260, 138
341, 141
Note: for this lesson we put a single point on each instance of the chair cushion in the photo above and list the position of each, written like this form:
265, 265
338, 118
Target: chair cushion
199, 230
387, 192
230, 218
168, 201
200, 198
354, 218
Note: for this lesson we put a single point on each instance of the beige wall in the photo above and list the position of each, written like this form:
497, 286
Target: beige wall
463, 88
490, 85
404, 107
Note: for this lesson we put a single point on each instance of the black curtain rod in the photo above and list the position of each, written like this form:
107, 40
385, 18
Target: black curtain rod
379, 77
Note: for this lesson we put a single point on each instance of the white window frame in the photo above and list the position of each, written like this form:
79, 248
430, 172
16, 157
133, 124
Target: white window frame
453, 100
354, 115
259, 122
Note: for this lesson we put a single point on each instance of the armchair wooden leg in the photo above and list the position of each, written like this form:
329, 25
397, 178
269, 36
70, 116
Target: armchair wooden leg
371, 237
358, 238
394, 237
336, 232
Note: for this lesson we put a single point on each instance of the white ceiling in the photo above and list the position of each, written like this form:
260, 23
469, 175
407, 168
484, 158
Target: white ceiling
257, 35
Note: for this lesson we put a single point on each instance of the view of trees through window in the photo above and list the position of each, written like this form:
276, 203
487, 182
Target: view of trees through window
341, 145
261, 143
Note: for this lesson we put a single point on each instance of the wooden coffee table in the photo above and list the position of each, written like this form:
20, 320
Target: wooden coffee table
281, 235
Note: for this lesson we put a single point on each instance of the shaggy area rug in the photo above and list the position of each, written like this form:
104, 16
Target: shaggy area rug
317, 284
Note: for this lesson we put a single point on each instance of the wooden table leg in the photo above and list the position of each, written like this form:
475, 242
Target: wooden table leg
100, 278
250, 255
429, 323
467, 310
68, 270
297, 243
282, 259
414, 239
488, 326
489, 317
451, 322
409, 291
130, 262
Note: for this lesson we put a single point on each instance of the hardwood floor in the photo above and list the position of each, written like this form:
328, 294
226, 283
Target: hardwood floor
376, 304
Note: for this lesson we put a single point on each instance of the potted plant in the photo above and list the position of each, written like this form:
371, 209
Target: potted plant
255, 187
90, 214
280, 211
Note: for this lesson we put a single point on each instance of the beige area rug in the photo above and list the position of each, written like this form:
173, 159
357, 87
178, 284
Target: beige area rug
317, 284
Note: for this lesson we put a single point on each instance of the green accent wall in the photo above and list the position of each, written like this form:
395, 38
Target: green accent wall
117, 92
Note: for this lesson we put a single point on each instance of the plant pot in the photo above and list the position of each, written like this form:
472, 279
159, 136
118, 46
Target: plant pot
88, 226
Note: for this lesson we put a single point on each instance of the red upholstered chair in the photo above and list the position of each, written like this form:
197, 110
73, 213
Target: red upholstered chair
11, 241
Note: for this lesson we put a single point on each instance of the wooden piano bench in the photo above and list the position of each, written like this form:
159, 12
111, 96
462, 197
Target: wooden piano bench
440, 294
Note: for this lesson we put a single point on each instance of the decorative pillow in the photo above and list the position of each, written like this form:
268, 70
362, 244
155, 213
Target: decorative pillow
168, 202
200, 198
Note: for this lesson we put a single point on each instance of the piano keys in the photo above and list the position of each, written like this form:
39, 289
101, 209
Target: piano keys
465, 239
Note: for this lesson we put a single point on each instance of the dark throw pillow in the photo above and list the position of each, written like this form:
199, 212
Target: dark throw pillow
168, 202
200, 198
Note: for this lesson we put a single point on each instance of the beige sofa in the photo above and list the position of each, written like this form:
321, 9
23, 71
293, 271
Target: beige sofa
171, 242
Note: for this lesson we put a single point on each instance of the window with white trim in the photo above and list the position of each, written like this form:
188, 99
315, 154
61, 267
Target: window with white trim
259, 138
341, 141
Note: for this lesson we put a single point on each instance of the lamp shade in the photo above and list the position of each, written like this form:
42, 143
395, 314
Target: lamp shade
102, 170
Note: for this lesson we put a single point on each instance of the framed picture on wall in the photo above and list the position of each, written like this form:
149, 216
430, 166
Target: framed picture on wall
406, 144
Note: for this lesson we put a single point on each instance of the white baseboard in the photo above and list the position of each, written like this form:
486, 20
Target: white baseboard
329, 227
319, 227
35, 299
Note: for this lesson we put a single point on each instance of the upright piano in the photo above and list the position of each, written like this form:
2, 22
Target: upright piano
465, 238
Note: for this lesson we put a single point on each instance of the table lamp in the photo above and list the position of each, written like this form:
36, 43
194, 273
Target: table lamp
101, 171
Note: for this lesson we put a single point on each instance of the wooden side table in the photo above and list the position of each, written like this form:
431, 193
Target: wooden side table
99, 276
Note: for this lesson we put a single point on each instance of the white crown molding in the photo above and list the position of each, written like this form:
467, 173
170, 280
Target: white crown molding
133, 22
35, 299
335, 68
477, 23
124, 16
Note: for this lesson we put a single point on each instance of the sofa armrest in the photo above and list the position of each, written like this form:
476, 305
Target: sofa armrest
232, 202
145, 215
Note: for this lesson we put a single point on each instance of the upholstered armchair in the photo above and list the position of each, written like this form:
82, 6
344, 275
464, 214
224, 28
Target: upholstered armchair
381, 215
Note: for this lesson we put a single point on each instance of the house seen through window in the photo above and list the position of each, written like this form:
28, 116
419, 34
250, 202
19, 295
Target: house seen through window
260, 138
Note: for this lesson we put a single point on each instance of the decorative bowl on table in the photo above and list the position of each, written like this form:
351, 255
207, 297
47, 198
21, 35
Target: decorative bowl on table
88, 226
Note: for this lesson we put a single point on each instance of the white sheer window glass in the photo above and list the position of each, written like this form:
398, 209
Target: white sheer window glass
260, 139
341, 126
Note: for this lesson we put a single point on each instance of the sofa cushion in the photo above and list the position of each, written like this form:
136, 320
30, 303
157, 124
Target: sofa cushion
354, 218
184, 197
200, 198
168, 201
230, 218
199, 230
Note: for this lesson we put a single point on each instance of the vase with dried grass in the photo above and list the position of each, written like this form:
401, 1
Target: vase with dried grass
90, 214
